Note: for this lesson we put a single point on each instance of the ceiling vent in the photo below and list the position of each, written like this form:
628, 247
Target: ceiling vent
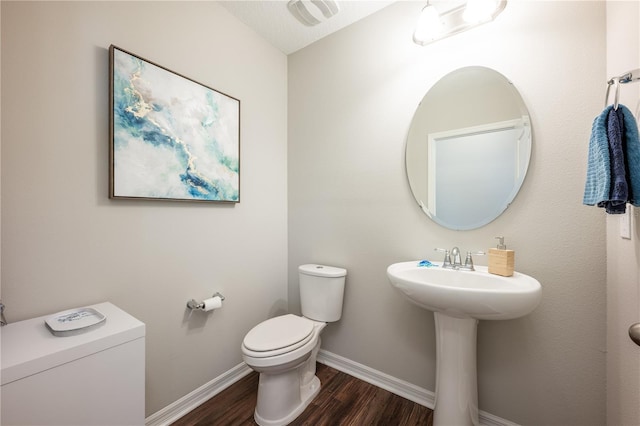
313, 12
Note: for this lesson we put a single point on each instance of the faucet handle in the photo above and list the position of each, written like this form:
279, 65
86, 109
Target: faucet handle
468, 263
447, 257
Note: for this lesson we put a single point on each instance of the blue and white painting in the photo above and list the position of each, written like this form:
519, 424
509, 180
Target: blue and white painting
173, 138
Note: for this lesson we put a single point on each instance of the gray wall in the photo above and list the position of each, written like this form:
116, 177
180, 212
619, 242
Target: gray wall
65, 244
351, 100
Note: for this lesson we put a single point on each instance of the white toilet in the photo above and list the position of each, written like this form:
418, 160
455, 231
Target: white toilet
284, 349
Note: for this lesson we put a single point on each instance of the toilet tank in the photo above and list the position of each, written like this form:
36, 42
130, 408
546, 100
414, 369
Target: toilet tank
93, 378
321, 291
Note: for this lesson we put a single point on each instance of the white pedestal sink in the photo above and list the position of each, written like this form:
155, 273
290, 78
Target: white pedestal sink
459, 299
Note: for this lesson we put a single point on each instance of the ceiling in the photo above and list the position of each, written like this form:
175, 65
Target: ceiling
272, 20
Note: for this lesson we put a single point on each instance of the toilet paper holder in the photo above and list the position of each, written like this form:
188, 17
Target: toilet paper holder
194, 304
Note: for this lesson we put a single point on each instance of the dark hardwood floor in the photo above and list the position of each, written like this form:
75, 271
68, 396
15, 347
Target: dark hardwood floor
343, 400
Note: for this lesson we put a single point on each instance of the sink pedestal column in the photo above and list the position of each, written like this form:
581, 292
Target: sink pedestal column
456, 402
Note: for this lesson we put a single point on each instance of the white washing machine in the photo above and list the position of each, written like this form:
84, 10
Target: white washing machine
87, 377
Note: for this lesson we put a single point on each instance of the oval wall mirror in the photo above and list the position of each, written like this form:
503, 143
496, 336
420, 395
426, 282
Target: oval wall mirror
468, 148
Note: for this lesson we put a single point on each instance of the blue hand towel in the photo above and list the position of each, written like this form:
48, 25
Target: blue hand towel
619, 191
603, 182
598, 184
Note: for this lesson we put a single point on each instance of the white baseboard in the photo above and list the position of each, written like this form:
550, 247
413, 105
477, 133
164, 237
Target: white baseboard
396, 386
194, 399
414, 393
377, 378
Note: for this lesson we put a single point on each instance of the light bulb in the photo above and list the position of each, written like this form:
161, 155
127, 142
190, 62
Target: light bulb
429, 24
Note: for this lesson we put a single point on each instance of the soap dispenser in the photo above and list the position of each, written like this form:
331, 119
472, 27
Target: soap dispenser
501, 260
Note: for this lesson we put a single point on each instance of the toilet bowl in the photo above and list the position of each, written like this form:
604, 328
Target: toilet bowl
284, 349
287, 373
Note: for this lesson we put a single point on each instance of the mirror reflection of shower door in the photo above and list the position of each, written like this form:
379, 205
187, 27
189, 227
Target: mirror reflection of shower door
472, 170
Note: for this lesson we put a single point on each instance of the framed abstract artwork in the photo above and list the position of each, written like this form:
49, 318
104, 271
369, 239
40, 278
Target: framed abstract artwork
171, 137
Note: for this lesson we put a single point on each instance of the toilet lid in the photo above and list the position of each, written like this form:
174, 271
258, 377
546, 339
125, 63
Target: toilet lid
277, 333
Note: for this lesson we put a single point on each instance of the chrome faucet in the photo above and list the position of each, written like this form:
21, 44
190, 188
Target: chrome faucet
447, 263
457, 259
457, 262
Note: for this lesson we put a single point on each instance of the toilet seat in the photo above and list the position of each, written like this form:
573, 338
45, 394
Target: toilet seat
278, 336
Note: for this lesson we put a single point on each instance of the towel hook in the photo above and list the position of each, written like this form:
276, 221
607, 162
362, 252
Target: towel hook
616, 98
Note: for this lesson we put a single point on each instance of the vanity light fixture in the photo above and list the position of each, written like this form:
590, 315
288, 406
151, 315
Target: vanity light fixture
312, 12
456, 20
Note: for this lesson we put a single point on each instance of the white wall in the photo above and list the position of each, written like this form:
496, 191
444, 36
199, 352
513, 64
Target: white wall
65, 244
351, 99
623, 256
